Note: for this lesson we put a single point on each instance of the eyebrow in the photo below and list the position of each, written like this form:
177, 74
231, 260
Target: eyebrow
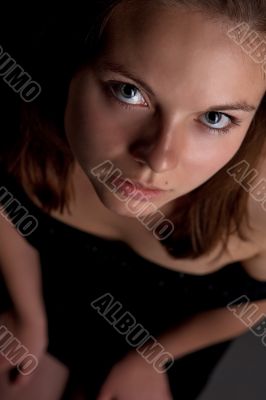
120, 69
239, 106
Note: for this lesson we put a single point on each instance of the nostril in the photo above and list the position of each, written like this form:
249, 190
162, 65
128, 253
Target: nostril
141, 162
140, 151
13, 374
138, 158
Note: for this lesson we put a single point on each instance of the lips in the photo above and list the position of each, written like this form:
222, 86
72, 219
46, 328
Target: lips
136, 185
145, 187
131, 189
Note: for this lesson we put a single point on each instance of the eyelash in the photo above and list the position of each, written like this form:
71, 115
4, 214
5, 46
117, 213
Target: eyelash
216, 131
108, 86
223, 131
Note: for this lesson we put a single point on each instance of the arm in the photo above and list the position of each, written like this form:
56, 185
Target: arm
20, 267
136, 377
19, 264
211, 327
206, 329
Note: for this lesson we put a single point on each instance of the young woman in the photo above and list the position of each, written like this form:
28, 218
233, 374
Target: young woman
165, 99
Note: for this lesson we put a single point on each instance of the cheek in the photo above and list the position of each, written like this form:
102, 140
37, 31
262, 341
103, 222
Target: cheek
204, 161
93, 125
86, 126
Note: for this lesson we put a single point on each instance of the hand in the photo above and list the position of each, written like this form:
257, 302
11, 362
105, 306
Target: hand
134, 379
30, 333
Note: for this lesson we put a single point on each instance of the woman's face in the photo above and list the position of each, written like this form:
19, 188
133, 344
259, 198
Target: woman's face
168, 101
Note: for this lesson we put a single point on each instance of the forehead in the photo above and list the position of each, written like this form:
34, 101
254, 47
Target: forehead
171, 46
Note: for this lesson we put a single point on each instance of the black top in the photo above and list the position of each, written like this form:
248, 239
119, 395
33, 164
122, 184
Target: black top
48, 234
78, 267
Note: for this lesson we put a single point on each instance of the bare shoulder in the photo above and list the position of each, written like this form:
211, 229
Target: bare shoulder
256, 266
256, 188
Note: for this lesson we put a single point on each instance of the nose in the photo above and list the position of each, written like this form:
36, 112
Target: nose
159, 146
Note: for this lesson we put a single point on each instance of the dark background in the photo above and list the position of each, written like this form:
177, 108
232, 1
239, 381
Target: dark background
23, 27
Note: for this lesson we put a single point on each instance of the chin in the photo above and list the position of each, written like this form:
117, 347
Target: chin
119, 207
149, 219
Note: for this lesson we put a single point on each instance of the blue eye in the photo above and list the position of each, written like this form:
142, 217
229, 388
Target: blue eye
216, 120
218, 123
127, 93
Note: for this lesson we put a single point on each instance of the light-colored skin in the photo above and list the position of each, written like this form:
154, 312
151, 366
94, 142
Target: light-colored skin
161, 141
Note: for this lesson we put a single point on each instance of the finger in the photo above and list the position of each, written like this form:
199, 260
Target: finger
17, 379
4, 365
106, 396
